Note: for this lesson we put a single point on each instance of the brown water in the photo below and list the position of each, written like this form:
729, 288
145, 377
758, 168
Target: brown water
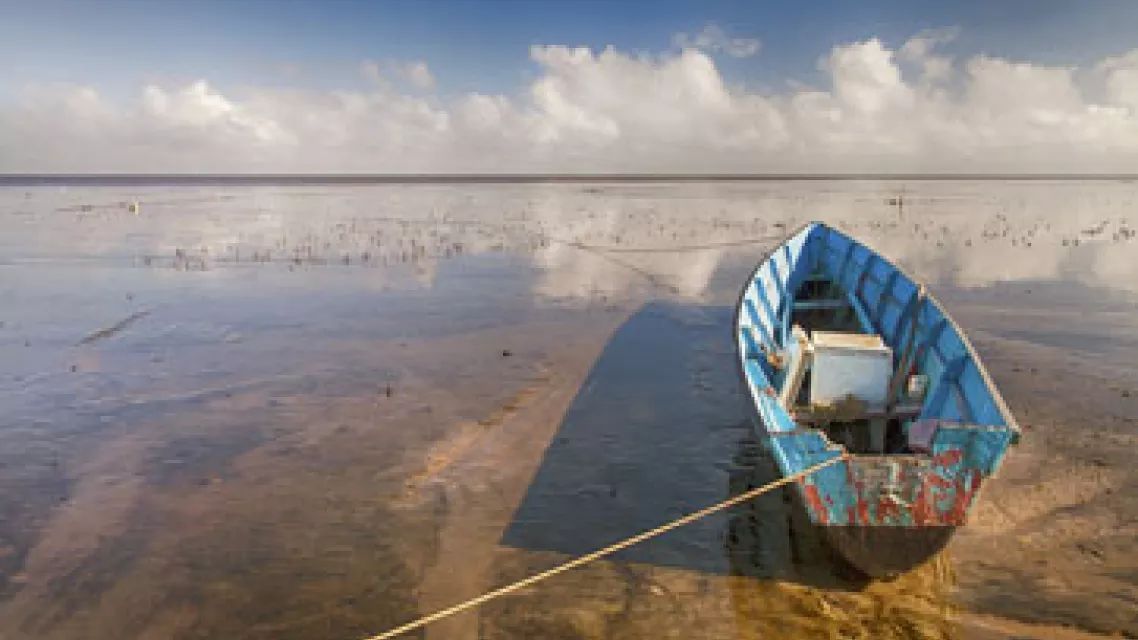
283, 412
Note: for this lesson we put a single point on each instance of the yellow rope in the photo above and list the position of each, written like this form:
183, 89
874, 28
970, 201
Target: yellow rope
596, 555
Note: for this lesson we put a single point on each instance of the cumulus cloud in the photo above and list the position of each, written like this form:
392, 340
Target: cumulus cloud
921, 45
418, 74
415, 73
371, 72
912, 108
712, 38
919, 49
1120, 75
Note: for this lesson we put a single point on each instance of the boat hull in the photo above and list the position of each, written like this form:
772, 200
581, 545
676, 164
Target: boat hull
886, 552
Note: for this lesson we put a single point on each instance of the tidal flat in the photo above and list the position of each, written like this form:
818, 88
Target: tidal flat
320, 411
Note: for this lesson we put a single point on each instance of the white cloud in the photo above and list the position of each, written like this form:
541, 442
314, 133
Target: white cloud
715, 40
921, 45
418, 74
919, 49
1121, 79
866, 79
912, 109
415, 73
371, 72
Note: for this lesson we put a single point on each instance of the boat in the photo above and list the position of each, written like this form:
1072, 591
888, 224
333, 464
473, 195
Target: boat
845, 356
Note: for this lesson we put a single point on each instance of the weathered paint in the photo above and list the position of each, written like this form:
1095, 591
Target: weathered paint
975, 428
934, 490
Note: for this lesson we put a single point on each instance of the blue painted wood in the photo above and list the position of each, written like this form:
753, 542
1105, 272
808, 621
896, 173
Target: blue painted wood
905, 319
753, 350
974, 426
883, 301
781, 285
756, 321
863, 316
787, 308
768, 308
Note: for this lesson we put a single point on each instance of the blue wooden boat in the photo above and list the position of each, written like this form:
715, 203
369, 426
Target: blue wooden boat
842, 353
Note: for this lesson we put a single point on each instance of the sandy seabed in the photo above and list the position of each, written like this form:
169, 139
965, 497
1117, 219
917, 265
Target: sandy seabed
320, 412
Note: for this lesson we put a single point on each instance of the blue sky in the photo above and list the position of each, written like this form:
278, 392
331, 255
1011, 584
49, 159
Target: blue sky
483, 44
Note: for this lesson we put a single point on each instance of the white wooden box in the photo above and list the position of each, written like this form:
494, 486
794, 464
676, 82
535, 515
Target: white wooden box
849, 363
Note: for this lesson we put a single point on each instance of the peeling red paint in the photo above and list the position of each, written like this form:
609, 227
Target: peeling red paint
964, 495
862, 505
940, 482
923, 508
948, 457
929, 492
814, 502
887, 509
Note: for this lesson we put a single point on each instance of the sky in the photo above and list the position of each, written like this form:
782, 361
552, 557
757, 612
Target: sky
568, 86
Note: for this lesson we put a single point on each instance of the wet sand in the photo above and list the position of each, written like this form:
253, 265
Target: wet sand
276, 512
323, 412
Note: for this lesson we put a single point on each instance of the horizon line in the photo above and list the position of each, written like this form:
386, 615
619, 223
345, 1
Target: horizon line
69, 179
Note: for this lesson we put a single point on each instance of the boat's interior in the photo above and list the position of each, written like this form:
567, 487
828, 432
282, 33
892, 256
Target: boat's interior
845, 343
876, 427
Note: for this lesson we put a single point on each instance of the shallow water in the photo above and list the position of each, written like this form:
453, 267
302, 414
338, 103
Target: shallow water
292, 412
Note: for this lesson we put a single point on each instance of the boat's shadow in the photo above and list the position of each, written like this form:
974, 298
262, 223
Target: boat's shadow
659, 429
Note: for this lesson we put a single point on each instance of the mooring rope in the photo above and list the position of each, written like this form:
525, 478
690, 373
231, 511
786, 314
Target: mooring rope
675, 248
596, 555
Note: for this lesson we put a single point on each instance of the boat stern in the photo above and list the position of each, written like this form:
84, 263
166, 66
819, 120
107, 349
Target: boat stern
887, 513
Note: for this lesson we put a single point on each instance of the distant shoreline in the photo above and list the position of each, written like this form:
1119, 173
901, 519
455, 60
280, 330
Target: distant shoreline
33, 180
